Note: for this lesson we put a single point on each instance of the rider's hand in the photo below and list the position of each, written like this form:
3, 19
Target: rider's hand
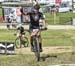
45, 28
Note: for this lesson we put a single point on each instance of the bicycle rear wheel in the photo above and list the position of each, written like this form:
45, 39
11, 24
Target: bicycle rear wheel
25, 42
18, 42
37, 49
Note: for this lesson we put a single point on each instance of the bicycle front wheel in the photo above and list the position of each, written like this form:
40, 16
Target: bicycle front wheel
18, 42
37, 49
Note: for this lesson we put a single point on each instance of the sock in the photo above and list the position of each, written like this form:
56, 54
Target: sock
40, 45
31, 43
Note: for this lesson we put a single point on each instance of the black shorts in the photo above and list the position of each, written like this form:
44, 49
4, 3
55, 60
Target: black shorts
23, 33
31, 29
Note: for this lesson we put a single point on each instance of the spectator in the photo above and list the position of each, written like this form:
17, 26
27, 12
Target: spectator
12, 18
27, 18
54, 9
8, 22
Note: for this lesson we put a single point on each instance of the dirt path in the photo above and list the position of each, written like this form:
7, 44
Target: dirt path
49, 27
47, 50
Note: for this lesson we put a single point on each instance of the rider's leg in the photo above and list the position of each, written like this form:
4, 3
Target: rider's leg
17, 33
23, 39
23, 36
8, 26
31, 41
40, 41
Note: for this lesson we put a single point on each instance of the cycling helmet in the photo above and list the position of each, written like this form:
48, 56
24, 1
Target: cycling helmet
19, 25
36, 7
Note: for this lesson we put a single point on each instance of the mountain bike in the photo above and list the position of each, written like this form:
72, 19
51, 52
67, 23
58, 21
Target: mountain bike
19, 42
36, 44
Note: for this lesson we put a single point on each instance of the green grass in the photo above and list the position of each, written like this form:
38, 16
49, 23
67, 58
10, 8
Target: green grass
0, 12
60, 19
29, 60
49, 37
58, 38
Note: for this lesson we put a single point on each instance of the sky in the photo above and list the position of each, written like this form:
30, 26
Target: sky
1, 0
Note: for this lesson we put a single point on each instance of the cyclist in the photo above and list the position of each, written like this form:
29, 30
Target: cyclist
20, 31
35, 17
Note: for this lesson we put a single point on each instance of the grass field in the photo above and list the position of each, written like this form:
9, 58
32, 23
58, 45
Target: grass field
29, 60
49, 37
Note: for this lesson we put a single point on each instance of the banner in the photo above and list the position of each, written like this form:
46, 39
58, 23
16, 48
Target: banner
58, 1
14, 14
18, 13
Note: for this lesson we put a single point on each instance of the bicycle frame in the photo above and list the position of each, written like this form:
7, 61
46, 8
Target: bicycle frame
21, 42
36, 44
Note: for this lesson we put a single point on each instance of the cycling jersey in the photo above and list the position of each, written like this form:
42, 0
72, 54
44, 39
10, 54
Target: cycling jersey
34, 23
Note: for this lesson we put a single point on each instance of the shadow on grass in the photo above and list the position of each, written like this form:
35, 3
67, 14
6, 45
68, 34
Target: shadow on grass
43, 58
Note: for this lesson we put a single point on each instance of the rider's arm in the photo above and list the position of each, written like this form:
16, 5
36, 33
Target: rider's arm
44, 23
43, 20
16, 31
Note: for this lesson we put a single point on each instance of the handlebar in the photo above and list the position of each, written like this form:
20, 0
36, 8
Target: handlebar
42, 29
